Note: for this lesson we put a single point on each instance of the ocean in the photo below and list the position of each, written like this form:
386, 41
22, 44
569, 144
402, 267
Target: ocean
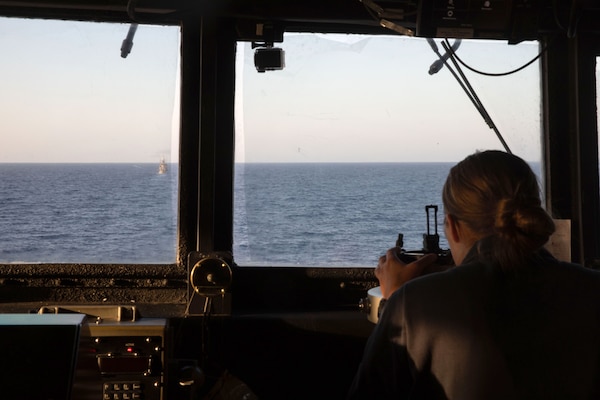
87, 213
331, 215
336, 215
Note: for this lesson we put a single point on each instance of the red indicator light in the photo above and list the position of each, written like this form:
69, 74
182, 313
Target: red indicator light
130, 349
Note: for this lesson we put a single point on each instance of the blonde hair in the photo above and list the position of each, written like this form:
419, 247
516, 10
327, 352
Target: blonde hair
497, 196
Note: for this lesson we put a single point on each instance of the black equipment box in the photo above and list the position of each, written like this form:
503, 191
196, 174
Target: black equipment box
38, 355
120, 356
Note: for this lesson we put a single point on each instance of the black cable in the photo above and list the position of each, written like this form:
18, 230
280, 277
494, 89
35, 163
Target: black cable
500, 73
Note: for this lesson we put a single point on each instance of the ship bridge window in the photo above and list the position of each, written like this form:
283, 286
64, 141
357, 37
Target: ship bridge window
340, 151
88, 155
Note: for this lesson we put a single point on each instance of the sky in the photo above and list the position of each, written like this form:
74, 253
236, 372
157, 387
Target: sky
68, 96
371, 99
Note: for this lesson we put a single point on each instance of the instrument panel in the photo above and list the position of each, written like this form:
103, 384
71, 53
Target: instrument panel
120, 356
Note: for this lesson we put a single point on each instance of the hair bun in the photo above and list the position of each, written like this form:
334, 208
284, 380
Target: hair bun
525, 220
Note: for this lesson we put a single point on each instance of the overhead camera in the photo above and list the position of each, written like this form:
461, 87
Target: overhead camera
268, 58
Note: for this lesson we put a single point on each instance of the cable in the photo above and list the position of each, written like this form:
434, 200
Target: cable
454, 55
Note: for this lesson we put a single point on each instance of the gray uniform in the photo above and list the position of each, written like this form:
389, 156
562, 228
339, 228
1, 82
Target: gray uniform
474, 332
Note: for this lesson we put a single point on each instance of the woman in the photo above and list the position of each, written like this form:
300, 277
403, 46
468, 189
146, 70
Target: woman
508, 322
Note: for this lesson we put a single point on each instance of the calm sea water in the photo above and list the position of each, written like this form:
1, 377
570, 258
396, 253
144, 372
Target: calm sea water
285, 214
87, 213
333, 214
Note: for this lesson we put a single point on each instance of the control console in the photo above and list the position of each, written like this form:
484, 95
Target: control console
120, 357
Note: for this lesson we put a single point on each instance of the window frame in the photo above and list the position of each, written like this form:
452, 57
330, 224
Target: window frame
205, 224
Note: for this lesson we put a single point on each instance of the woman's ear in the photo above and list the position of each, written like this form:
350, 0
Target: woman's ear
460, 238
453, 228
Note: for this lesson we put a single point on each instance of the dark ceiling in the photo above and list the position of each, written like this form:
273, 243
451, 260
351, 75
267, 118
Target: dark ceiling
503, 19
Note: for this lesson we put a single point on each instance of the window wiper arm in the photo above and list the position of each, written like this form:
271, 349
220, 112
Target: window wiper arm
463, 82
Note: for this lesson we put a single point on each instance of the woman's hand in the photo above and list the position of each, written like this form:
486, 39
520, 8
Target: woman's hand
393, 273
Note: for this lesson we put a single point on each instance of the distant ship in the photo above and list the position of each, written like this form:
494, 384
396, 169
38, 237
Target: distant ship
162, 167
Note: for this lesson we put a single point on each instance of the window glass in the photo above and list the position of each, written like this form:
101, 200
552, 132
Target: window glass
341, 150
84, 133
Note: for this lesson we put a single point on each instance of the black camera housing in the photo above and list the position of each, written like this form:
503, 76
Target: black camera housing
269, 59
